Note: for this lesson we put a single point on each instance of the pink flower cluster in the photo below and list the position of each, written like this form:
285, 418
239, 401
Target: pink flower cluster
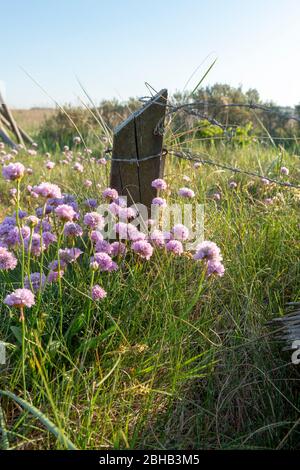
211, 254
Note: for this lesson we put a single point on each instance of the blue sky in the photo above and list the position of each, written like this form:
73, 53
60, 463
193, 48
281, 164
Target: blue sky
114, 46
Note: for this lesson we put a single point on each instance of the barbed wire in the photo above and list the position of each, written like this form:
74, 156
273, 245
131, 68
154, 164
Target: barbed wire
198, 158
193, 109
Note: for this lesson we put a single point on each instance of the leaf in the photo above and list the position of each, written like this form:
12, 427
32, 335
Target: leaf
17, 331
42, 418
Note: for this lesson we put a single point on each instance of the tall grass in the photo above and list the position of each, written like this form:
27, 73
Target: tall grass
167, 360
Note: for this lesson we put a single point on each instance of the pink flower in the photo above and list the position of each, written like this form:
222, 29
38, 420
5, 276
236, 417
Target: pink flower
265, 181
174, 246
102, 246
110, 193
96, 236
47, 190
143, 249
118, 248
186, 192
20, 298
50, 165
284, 170
209, 251
78, 167
157, 238
232, 185
7, 260
159, 201
88, 183
102, 161
103, 262
159, 184
214, 267
65, 212
98, 293
69, 255
180, 232
13, 171
216, 196
94, 220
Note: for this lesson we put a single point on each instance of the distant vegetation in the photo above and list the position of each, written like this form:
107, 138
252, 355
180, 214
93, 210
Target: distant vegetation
56, 126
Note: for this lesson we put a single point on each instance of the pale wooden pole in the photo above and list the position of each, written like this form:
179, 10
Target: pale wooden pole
135, 139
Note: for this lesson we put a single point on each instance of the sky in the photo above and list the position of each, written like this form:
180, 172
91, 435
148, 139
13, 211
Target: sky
113, 47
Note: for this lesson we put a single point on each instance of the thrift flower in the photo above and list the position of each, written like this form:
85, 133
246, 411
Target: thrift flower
47, 190
7, 259
159, 201
174, 246
159, 184
209, 251
94, 220
180, 232
284, 170
110, 193
65, 212
143, 249
98, 293
103, 262
186, 192
13, 171
215, 267
20, 298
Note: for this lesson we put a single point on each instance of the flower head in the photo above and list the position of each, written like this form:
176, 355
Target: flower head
284, 170
110, 193
159, 184
47, 190
13, 171
214, 267
186, 192
180, 232
20, 298
103, 262
208, 250
98, 293
143, 249
7, 259
174, 246
94, 220
65, 212
159, 201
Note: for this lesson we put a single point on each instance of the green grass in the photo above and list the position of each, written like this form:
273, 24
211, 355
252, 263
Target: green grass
168, 359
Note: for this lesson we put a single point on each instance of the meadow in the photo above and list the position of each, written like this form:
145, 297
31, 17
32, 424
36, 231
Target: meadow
161, 355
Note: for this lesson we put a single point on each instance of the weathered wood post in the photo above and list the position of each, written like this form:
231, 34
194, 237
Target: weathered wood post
136, 139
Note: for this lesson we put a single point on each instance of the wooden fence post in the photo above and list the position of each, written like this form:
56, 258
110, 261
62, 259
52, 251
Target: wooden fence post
135, 139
